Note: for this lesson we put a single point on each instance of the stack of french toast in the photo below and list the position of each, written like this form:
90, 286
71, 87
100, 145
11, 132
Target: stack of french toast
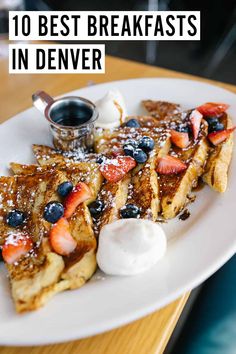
51, 212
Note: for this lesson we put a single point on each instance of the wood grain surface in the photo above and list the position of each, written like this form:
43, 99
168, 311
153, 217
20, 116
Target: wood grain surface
150, 334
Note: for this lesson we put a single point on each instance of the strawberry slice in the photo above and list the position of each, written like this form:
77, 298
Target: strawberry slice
79, 194
16, 246
60, 238
180, 139
220, 136
195, 120
169, 165
211, 109
115, 169
117, 152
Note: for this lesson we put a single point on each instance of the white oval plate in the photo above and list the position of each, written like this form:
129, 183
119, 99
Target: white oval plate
197, 246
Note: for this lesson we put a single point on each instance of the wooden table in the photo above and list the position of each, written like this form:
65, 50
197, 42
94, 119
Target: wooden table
150, 334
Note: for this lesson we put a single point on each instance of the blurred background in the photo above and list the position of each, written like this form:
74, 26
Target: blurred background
213, 57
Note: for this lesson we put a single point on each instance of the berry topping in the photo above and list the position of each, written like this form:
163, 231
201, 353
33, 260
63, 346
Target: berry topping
140, 156
132, 142
114, 170
60, 238
211, 120
15, 218
100, 159
212, 109
132, 123
128, 150
65, 188
182, 129
168, 165
180, 139
53, 211
129, 211
117, 151
215, 127
146, 143
96, 208
16, 245
79, 194
220, 136
195, 120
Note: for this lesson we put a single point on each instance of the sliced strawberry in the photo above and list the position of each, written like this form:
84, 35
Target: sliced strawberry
60, 238
195, 120
114, 170
169, 165
79, 194
211, 109
180, 139
16, 246
220, 136
117, 152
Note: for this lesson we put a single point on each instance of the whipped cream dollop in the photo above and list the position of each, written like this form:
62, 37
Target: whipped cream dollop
111, 109
130, 246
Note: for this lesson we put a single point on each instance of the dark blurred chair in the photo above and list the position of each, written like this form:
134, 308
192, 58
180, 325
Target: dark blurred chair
211, 326
224, 45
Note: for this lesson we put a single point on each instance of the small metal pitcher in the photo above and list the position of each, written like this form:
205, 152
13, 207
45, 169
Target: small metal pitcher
71, 120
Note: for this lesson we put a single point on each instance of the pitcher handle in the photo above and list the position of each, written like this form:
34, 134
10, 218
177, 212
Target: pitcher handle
41, 100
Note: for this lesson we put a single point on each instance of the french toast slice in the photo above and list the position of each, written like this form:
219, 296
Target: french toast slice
46, 155
42, 273
161, 109
175, 188
87, 172
113, 196
219, 157
216, 170
143, 189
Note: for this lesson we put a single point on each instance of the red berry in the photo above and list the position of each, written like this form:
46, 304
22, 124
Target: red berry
60, 238
195, 120
180, 139
79, 194
16, 246
114, 170
211, 109
220, 136
168, 165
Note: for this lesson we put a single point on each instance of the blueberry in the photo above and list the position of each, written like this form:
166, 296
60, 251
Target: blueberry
212, 120
146, 143
140, 156
128, 150
1, 259
182, 129
65, 188
129, 211
215, 127
15, 218
132, 123
96, 208
100, 159
132, 142
53, 211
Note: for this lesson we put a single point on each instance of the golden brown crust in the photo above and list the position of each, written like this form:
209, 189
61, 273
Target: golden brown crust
174, 189
173, 202
161, 109
216, 171
43, 273
114, 196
